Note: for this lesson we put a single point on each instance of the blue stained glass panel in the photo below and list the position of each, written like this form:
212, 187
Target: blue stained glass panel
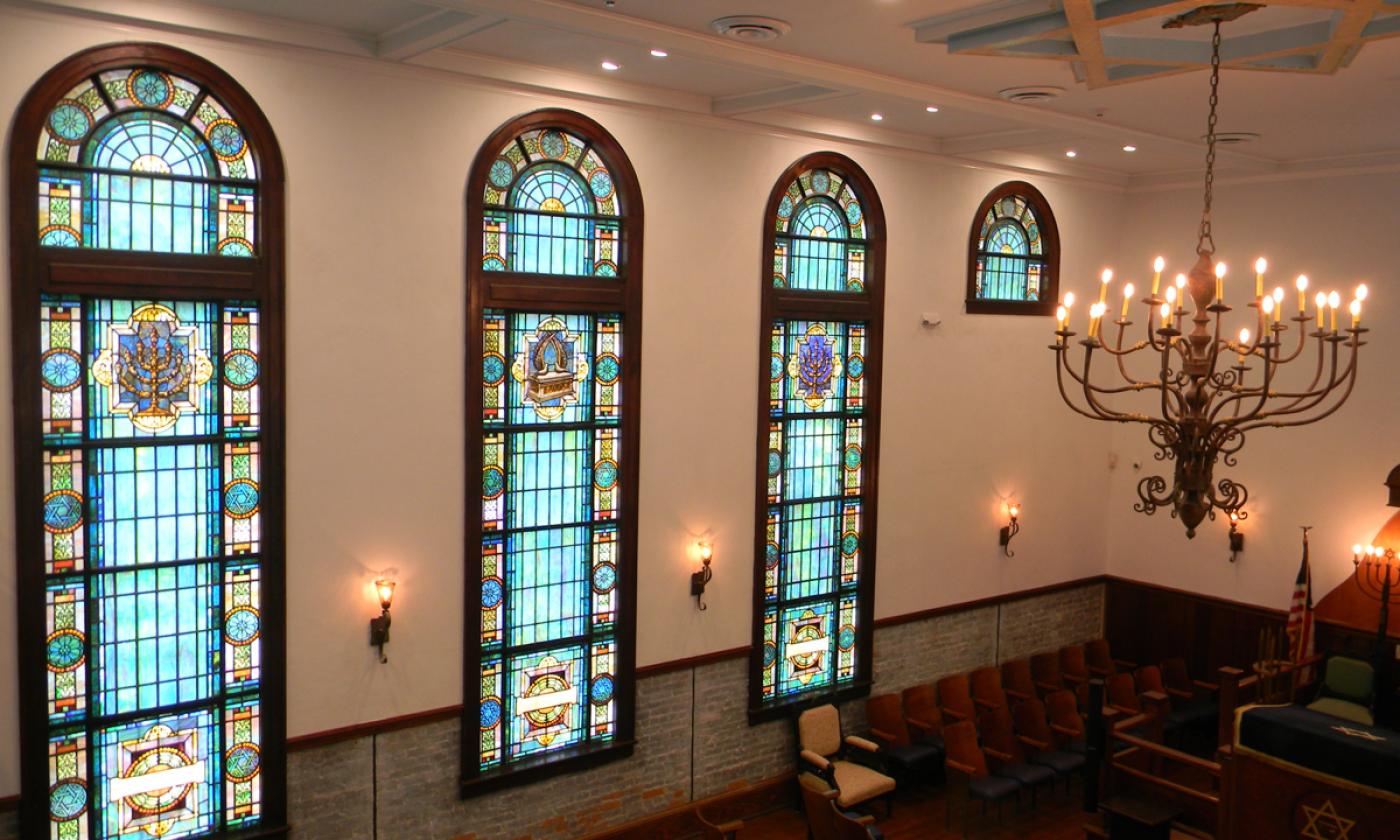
154, 504
1010, 258
157, 637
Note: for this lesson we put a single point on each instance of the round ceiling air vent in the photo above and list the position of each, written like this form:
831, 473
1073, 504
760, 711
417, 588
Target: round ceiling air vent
1234, 138
751, 28
1031, 94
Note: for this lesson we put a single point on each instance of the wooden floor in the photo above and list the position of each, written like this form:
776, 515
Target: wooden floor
919, 816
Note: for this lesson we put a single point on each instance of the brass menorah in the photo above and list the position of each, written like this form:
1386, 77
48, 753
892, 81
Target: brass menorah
154, 372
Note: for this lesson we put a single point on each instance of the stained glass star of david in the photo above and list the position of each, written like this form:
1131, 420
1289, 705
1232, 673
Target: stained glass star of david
153, 368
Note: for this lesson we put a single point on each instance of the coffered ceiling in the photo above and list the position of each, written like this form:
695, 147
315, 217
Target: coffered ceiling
843, 61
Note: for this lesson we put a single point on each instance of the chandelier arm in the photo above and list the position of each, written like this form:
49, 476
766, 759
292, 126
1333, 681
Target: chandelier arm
1281, 424
1168, 390
1312, 390
1064, 395
1297, 351
1152, 337
1270, 370
1309, 401
1098, 407
1097, 388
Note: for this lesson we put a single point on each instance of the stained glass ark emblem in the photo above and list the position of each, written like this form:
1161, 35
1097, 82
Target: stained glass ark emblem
551, 368
153, 368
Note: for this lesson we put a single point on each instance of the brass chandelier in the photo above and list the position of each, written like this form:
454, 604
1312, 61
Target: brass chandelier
1207, 405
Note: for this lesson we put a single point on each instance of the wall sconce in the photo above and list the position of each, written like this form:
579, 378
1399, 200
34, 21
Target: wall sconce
698, 580
379, 626
1011, 528
1236, 538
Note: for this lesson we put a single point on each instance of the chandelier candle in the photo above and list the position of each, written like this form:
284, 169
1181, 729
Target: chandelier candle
1203, 408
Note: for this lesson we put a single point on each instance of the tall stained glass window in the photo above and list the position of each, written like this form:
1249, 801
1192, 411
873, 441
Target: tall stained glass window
1014, 254
555, 292
818, 436
148, 469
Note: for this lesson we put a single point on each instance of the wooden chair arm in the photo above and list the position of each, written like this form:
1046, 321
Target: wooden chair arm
1155, 696
1074, 678
730, 828
986, 704
815, 760
865, 819
997, 754
1208, 686
1017, 695
862, 743
1095, 671
923, 725
1125, 664
1033, 743
882, 735
955, 715
965, 769
1066, 731
1181, 695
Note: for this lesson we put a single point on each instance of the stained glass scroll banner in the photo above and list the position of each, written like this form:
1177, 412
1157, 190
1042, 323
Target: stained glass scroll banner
551, 451
1013, 254
818, 437
149, 452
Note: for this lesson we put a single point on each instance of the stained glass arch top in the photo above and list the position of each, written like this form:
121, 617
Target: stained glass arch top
551, 451
818, 437
820, 243
550, 206
1013, 253
149, 451
142, 159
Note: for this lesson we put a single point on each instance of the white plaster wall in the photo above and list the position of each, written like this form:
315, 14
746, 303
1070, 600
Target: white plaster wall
377, 158
1339, 231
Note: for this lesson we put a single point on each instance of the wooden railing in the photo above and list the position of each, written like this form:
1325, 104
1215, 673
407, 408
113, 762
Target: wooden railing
1236, 689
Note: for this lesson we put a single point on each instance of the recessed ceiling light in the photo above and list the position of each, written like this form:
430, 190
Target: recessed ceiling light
932, 109
1071, 153
877, 117
611, 65
659, 53
1130, 148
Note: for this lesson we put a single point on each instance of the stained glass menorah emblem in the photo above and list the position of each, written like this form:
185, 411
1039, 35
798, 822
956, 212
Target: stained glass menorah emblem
153, 368
814, 366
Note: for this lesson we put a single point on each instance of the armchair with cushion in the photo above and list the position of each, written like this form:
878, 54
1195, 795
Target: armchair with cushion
1033, 731
1008, 754
967, 762
922, 715
1066, 724
986, 689
902, 753
1348, 690
824, 753
1045, 670
1072, 665
1016, 680
955, 698
825, 820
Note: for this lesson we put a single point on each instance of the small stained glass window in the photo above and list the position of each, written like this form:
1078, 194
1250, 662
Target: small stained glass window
1013, 254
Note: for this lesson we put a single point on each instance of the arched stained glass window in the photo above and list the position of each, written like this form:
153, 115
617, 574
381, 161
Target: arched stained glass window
149, 452
818, 436
555, 315
1013, 257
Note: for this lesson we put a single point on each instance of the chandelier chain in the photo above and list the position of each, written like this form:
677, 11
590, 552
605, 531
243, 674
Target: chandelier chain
1205, 234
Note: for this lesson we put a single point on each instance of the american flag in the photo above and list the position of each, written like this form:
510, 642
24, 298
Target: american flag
1300, 617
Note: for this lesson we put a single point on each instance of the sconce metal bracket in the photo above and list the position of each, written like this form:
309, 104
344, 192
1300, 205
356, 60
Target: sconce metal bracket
379, 633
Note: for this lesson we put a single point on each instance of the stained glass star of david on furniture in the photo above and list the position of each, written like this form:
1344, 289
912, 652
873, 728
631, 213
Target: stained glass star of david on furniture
552, 442
818, 438
1013, 254
148, 454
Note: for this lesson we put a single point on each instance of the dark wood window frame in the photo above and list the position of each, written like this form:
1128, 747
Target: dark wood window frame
556, 293
1049, 232
794, 304
36, 270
